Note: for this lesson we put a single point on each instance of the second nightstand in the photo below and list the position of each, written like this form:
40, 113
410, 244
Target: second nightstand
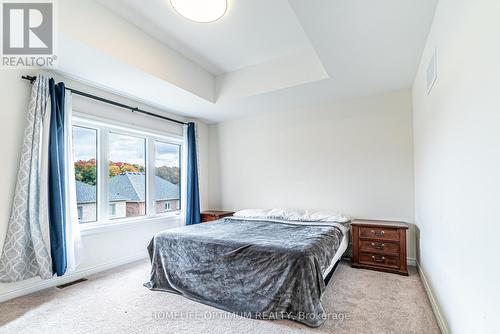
379, 245
211, 215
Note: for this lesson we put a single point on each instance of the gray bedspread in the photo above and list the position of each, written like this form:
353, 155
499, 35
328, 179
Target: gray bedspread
259, 269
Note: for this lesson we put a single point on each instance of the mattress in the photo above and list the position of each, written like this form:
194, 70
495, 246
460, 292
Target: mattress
258, 268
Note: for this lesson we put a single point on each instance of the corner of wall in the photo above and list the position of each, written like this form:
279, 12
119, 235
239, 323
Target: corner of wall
443, 325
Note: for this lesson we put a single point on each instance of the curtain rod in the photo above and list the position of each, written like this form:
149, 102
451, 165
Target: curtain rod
117, 104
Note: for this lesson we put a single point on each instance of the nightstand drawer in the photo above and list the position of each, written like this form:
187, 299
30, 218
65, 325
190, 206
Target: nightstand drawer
379, 246
385, 261
379, 233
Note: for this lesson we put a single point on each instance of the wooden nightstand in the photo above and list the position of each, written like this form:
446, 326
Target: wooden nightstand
210, 215
379, 245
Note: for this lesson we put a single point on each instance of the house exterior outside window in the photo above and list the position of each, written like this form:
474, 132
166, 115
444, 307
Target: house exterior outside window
123, 173
80, 212
112, 209
126, 200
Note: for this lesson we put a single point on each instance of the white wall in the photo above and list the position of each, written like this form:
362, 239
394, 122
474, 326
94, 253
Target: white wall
113, 35
355, 156
457, 164
203, 167
109, 247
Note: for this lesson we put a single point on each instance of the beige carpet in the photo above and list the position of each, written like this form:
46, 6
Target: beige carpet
116, 302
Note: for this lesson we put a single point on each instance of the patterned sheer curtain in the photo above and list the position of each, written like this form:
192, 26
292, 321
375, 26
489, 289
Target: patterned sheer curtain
26, 250
43, 236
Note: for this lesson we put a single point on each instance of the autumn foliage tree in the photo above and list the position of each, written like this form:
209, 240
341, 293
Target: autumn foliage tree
86, 171
116, 168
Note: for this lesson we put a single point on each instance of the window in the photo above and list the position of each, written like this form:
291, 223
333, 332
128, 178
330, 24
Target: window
141, 169
112, 209
167, 177
127, 175
85, 156
80, 212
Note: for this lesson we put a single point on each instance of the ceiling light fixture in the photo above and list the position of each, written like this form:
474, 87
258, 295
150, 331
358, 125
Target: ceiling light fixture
201, 11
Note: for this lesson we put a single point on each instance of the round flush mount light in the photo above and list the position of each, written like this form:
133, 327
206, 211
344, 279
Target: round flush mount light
202, 11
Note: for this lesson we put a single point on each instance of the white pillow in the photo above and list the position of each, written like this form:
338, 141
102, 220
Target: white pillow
278, 213
323, 216
271, 214
296, 215
286, 214
293, 215
252, 213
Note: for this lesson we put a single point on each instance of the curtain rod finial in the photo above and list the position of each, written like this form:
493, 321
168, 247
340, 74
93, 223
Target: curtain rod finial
29, 77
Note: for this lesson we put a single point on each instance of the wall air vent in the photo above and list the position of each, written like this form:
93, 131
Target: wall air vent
62, 286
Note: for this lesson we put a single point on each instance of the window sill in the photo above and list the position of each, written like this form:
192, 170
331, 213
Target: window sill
112, 226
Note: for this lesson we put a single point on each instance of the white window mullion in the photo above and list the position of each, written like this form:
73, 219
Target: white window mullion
103, 177
150, 177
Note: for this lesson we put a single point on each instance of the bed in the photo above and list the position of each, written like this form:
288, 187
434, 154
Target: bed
255, 267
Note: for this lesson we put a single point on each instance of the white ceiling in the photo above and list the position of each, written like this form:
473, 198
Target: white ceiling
275, 55
251, 32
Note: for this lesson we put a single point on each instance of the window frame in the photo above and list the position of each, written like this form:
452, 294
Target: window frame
97, 170
181, 171
104, 127
146, 183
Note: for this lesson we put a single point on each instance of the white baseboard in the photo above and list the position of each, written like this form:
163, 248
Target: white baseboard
411, 261
38, 284
443, 326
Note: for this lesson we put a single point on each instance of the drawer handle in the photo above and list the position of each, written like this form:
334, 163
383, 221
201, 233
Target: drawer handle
378, 233
378, 259
378, 246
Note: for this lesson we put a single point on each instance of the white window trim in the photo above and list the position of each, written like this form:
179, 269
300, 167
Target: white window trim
96, 228
103, 127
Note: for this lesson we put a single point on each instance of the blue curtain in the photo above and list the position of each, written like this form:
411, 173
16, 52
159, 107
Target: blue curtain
193, 194
57, 205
